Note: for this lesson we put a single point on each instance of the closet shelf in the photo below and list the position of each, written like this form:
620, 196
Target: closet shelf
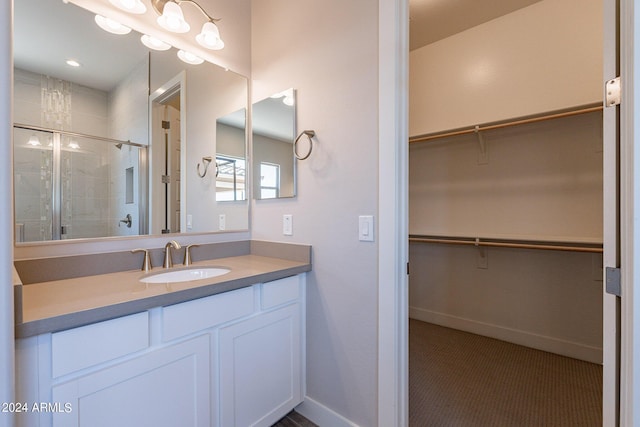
509, 243
499, 125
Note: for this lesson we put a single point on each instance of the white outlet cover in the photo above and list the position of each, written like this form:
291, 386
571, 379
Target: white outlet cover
287, 225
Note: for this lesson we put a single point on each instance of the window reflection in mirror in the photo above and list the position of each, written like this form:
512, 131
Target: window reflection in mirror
230, 157
273, 128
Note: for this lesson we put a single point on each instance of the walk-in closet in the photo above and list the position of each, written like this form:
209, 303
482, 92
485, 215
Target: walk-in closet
506, 220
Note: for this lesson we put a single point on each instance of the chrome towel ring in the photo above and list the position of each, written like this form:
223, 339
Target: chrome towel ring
207, 162
310, 134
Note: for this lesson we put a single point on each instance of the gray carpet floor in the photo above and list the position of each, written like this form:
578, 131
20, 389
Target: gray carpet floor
461, 379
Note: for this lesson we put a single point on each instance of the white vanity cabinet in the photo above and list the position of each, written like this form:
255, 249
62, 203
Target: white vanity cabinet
231, 359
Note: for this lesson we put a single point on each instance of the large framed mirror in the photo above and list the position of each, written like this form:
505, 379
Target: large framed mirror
91, 156
273, 133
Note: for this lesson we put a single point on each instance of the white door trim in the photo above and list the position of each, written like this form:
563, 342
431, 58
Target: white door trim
629, 207
392, 234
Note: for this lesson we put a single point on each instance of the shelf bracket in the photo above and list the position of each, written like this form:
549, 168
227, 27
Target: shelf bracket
482, 259
483, 155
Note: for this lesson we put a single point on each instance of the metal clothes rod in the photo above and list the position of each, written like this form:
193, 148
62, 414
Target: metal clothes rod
76, 134
520, 244
486, 127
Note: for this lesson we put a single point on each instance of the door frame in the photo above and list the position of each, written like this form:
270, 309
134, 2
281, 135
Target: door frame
629, 16
156, 101
393, 236
611, 223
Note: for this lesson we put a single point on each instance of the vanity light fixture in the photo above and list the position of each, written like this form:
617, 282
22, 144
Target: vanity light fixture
111, 26
172, 19
131, 6
189, 57
154, 43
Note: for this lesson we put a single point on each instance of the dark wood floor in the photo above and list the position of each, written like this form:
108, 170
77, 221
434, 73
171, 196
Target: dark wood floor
294, 419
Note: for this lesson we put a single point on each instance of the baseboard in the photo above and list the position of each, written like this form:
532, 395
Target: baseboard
321, 415
528, 339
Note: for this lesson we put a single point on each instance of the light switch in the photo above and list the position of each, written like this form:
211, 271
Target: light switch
287, 225
189, 222
365, 228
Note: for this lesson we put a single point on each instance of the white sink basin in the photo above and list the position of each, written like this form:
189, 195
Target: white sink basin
185, 275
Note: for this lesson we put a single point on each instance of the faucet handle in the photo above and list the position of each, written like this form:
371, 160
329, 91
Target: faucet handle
146, 262
187, 254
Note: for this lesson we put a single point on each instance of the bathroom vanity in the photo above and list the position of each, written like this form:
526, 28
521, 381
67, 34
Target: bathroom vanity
223, 351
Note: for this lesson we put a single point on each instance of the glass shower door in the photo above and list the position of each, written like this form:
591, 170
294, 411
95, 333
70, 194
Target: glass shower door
33, 183
70, 186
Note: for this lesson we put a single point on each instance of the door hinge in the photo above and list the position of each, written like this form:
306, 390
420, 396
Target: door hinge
613, 284
612, 92
407, 269
166, 179
166, 124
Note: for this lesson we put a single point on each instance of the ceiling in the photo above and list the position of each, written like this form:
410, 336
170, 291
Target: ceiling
433, 20
47, 33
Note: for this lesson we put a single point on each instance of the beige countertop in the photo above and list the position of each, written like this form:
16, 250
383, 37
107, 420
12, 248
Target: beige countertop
62, 304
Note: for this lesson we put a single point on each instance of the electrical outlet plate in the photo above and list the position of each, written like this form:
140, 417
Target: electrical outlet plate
222, 222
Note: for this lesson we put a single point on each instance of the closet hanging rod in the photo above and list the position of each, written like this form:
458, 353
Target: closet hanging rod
480, 128
518, 244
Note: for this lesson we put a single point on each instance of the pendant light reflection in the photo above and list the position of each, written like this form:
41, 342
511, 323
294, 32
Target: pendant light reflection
189, 57
287, 97
131, 6
154, 43
111, 26
34, 141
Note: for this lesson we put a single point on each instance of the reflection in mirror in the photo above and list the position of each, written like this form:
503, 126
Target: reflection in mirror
231, 157
273, 128
89, 176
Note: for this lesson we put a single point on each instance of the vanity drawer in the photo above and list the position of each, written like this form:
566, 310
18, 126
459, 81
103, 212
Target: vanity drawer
204, 313
280, 292
90, 345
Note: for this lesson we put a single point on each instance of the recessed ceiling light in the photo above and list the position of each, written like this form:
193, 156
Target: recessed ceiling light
72, 63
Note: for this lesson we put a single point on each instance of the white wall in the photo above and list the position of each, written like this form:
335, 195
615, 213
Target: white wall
330, 58
538, 59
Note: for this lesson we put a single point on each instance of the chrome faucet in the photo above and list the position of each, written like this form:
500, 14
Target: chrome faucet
168, 261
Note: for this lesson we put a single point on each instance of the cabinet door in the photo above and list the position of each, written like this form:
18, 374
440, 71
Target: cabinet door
260, 368
166, 387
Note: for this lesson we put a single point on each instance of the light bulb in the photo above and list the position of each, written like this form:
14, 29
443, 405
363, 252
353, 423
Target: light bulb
172, 19
209, 37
